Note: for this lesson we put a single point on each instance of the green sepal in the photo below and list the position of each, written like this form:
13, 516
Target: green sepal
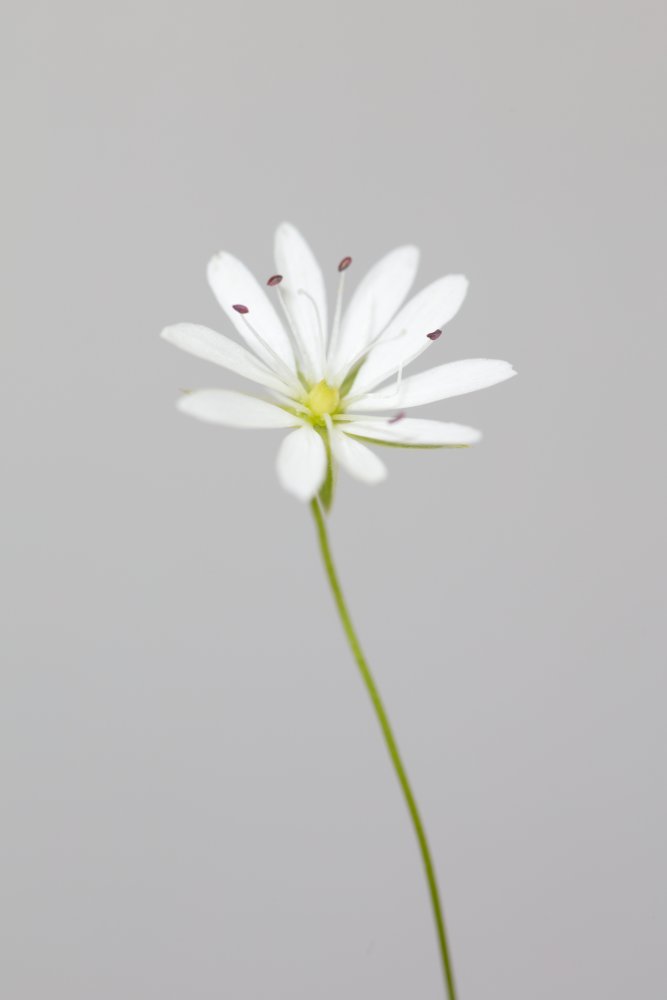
399, 444
350, 377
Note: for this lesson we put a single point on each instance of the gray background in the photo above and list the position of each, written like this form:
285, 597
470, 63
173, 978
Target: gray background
196, 800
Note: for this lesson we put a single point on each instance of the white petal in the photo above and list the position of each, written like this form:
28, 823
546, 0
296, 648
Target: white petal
357, 459
304, 294
302, 463
211, 346
407, 335
234, 409
375, 301
418, 433
453, 379
233, 284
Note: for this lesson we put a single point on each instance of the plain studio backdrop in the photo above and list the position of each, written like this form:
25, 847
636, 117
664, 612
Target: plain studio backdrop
196, 801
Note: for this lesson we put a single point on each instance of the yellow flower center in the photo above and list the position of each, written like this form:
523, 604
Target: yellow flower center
323, 398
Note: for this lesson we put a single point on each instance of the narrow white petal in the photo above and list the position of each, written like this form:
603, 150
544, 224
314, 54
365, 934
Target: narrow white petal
211, 346
233, 284
375, 301
407, 335
418, 433
304, 295
302, 463
357, 459
453, 379
234, 409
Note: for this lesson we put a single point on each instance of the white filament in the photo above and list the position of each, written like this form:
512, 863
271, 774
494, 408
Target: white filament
297, 343
320, 326
360, 355
335, 327
282, 369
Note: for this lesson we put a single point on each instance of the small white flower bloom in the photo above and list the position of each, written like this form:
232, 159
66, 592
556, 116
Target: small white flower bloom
331, 386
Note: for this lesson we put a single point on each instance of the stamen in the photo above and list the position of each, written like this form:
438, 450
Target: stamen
335, 326
274, 280
302, 291
300, 351
434, 335
282, 368
399, 379
396, 417
290, 403
361, 355
392, 394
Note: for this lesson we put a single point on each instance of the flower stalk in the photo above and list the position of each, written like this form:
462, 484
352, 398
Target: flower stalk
391, 745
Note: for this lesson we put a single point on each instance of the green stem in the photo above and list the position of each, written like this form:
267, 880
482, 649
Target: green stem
392, 747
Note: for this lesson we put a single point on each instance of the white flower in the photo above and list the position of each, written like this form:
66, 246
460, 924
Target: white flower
331, 387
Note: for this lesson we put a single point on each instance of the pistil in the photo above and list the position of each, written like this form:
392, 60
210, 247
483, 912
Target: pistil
323, 399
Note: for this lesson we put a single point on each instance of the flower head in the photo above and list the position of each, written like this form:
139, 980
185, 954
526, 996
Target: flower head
337, 388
